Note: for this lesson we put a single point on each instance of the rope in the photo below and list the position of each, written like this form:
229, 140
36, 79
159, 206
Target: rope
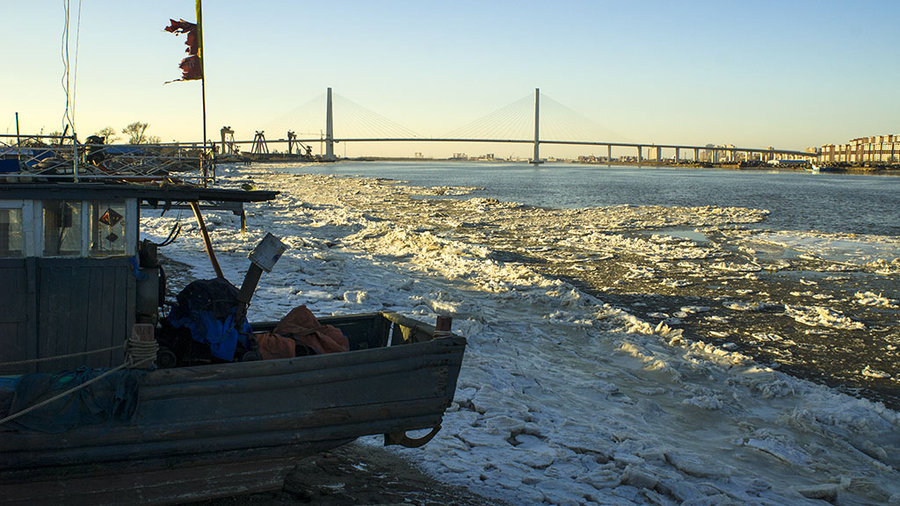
176, 229
75, 73
137, 353
59, 357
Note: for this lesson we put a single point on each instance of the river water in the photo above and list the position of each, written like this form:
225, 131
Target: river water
810, 286
797, 200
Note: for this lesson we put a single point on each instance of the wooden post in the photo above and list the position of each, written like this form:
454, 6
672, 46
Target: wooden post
142, 332
143, 345
195, 206
442, 326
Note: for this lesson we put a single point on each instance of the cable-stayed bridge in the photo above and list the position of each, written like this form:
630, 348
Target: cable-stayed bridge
523, 122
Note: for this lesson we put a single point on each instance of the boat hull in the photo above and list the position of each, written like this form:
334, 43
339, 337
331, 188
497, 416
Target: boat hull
217, 430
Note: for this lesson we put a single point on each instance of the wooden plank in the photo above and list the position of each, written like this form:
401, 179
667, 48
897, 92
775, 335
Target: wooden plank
78, 293
212, 385
31, 301
308, 430
95, 308
166, 484
49, 341
450, 346
14, 344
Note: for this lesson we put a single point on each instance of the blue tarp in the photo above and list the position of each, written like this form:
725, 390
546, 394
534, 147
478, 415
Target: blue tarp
9, 166
210, 309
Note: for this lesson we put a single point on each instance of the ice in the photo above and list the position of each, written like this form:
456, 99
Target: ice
563, 398
818, 316
874, 373
873, 299
878, 253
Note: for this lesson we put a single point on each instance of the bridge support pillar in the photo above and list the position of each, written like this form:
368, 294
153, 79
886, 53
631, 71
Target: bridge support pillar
537, 131
329, 130
640, 157
658, 154
677, 155
609, 153
696, 155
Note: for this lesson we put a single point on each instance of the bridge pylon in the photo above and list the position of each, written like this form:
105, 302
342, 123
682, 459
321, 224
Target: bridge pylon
329, 129
536, 160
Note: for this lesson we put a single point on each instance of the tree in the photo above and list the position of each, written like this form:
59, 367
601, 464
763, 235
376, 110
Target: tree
109, 135
135, 132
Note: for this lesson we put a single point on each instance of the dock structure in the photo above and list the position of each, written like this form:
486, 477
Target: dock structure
227, 140
259, 146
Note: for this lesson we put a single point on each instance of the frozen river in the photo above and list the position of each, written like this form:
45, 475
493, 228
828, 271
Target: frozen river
629, 353
816, 252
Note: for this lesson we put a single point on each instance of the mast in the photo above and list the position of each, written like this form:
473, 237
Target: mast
203, 158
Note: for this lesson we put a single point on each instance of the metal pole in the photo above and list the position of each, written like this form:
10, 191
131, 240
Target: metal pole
18, 141
202, 51
74, 157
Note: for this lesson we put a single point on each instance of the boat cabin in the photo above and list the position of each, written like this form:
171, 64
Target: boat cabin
75, 275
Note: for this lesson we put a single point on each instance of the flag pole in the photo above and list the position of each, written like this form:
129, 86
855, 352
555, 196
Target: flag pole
203, 163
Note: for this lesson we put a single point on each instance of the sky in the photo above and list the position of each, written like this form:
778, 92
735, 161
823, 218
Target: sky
788, 74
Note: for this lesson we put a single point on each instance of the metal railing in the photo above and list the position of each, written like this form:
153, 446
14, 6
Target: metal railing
49, 157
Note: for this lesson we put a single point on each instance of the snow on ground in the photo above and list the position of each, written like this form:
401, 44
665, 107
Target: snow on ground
562, 398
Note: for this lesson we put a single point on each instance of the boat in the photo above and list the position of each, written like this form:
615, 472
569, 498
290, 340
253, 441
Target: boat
79, 283
819, 168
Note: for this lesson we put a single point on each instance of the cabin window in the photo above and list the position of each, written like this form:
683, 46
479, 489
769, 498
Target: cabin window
62, 228
108, 226
11, 233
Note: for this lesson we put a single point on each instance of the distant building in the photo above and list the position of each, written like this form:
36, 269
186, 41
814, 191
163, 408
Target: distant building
876, 148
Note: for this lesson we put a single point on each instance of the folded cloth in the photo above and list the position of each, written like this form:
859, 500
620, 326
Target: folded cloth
302, 326
272, 345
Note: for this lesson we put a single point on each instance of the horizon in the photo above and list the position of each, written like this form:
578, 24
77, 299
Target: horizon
656, 73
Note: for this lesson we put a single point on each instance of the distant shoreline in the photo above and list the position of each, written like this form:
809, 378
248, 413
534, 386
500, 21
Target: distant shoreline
893, 169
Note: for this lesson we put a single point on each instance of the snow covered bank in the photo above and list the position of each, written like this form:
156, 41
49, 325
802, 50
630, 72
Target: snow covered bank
562, 398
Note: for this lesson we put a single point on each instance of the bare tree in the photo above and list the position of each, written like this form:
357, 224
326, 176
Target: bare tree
135, 132
109, 135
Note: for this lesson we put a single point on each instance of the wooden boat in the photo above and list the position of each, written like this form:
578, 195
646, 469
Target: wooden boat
199, 431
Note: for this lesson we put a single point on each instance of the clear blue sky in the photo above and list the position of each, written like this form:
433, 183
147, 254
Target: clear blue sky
785, 73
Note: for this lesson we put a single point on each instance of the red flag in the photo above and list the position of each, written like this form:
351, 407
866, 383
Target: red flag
191, 66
